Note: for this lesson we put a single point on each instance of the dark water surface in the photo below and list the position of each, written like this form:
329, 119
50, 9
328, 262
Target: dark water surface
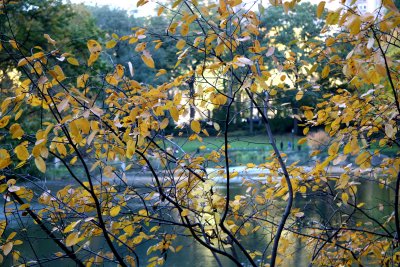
193, 254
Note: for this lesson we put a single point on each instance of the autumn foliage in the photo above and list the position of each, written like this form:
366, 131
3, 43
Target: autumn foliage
100, 126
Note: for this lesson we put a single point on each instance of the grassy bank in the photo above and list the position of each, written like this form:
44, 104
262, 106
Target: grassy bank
237, 142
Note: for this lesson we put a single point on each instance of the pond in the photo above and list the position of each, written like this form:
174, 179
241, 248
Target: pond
193, 254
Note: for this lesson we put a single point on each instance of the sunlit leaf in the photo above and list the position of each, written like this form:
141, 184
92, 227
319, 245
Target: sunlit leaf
115, 211
195, 126
72, 239
148, 60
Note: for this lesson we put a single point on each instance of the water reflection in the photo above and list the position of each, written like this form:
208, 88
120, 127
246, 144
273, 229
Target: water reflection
193, 254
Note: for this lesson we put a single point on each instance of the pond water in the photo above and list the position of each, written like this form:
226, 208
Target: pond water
193, 254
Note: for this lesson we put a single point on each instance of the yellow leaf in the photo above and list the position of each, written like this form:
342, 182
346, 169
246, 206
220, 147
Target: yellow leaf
11, 236
94, 47
355, 24
22, 62
110, 44
354, 146
115, 211
195, 126
250, 165
347, 148
92, 59
362, 158
299, 95
325, 72
330, 41
71, 227
4, 121
25, 206
16, 131
273, 92
184, 212
243, 231
302, 141
303, 189
3, 187
40, 164
160, 10
180, 44
148, 60
21, 151
184, 29
119, 69
345, 197
111, 80
320, 9
38, 55
333, 149
73, 160
174, 113
140, 47
176, 3
220, 99
72, 239
73, 61
7, 248
130, 149
164, 123
81, 80
49, 40
13, 43
157, 46
17, 116
161, 72
308, 114
216, 126
5, 159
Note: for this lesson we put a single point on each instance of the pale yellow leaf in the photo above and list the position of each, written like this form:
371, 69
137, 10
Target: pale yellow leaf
390, 131
49, 39
7, 248
40, 164
72, 239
